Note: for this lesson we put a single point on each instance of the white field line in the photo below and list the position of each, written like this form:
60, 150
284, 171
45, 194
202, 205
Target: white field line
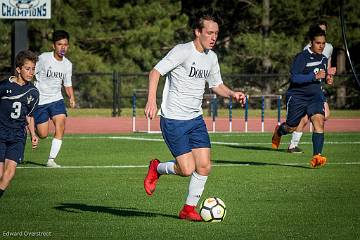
161, 140
213, 142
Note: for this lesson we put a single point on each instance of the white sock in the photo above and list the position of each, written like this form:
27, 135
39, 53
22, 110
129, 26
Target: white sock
166, 167
295, 139
196, 188
55, 148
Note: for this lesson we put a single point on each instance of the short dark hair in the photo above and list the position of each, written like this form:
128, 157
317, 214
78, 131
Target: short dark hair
315, 31
322, 22
201, 16
60, 34
25, 55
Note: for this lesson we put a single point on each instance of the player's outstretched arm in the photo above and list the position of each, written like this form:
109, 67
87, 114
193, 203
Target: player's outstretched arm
224, 91
151, 107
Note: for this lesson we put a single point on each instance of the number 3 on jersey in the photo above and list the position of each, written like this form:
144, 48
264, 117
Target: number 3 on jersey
17, 110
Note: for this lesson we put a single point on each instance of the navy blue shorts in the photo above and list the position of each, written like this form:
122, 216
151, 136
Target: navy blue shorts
12, 144
45, 112
181, 136
297, 107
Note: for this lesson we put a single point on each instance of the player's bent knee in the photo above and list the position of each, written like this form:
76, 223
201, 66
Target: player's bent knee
42, 132
204, 171
187, 172
42, 135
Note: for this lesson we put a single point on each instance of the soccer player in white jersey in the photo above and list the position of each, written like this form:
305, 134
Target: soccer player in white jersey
187, 68
52, 71
297, 134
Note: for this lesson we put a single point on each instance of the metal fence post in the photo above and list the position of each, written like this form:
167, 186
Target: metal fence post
114, 111
116, 94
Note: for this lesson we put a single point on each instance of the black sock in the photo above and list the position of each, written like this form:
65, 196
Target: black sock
1, 192
282, 130
318, 142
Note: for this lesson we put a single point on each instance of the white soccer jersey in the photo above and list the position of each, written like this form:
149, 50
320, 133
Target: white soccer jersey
50, 75
328, 49
187, 71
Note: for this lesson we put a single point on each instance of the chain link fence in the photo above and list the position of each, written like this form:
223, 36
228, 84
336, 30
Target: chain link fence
115, 90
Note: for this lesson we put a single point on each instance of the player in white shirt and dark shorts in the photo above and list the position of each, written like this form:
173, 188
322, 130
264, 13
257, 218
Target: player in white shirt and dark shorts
187, 68
52, 71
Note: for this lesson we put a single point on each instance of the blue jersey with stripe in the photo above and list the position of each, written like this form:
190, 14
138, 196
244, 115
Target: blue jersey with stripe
16, 102
303, 83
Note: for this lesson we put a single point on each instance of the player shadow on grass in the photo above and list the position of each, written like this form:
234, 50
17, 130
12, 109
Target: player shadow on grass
122, 212
248, 163
32, 163
257, 148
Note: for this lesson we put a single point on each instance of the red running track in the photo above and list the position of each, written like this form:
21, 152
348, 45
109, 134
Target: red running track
104, 125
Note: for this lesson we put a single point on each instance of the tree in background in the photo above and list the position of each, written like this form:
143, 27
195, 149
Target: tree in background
130, 36
107, 36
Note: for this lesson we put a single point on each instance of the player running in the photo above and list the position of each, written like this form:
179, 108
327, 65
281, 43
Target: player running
18, 99
304, 96
296, 135
52, 71
187, 68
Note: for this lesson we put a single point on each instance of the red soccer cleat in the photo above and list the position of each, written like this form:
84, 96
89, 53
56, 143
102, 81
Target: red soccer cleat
275, 142
151, 177
318, 161
189, 213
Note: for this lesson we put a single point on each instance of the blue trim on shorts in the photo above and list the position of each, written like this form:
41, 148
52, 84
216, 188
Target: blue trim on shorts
47, 111
181, 136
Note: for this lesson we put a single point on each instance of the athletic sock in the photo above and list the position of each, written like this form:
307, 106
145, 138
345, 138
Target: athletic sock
166, 167
55, 148
295, 139
196, 188
318, 142
282, 130
1, 192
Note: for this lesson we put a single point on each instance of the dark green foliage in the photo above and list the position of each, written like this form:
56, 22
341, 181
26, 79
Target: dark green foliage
131, 36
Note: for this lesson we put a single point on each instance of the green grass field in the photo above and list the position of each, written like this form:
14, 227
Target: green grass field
269, 194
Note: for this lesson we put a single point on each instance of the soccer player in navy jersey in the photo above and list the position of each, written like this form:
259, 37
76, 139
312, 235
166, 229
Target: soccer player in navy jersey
304, 96
187, 68
52, 71
296, 135
18, 99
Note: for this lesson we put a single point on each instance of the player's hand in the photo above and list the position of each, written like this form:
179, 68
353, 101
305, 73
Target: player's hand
331, 71
320, 74
34, 141
72, 102
240, 97
150, 109
329, 79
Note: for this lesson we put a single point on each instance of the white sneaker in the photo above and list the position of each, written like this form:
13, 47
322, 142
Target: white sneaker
51, 163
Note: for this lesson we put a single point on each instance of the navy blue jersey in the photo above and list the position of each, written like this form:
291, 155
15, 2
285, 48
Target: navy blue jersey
302, 80
16, 102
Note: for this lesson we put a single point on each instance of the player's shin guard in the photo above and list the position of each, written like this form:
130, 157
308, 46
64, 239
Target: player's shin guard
318, 142
196, 188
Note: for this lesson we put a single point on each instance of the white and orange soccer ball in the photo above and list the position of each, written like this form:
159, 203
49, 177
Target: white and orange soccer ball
213, 209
